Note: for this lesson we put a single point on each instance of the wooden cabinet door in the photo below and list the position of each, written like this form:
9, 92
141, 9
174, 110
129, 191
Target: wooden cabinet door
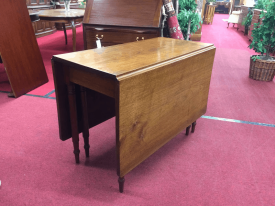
47, 25
40, 26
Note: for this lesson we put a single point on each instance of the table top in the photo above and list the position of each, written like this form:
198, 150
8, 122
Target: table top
33, 12
34, 15
120, 60
61, 13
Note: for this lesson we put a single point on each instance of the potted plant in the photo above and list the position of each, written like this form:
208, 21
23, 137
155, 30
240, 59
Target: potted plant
262, 67
260, 4
189, 19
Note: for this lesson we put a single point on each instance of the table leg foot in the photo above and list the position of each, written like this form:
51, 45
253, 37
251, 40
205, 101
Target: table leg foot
187, 130
193, 126
85, 120
76, 155
121, 181
87, 148
73, 117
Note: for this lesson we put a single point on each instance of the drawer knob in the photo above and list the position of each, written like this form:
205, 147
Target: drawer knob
141, 38
98, 38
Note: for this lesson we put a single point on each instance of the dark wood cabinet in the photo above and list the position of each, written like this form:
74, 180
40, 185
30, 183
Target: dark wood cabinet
41, 28
112, 35
121, 21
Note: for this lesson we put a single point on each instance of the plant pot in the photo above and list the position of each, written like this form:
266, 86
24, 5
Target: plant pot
262, 70
211, 3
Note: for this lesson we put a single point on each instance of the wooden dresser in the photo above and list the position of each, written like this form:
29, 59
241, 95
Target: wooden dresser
41, 28
121, 21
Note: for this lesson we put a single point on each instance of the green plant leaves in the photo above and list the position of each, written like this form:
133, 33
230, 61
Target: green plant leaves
264, 34
188, 12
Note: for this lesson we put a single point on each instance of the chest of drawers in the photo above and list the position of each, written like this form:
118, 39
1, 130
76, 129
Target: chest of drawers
121, 21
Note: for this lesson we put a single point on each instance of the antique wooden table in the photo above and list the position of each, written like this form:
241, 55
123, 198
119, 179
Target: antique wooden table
62, 16
155, 88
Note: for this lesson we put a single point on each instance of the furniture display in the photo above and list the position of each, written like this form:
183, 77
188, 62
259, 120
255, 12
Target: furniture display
209, 14
34, 15
200, 9
121, 21
234, 18
64, 17
223, 7
41, 28
243, 14
155, 88
19, 50
74, 4
236, 5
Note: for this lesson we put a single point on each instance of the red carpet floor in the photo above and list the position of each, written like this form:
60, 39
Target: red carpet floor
229, 160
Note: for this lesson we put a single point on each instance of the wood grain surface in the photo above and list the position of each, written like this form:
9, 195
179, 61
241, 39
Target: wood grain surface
113, 35
55, 14
142, 13
19, 49
159, 86
121, 21
65, 17
100, 107
124, 59
156, 105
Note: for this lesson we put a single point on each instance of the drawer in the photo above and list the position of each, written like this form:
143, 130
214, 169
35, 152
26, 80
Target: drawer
113, 36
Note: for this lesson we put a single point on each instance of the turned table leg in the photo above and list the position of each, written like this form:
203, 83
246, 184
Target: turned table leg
65, 32
187, 130
74, 35
85, 120
121, 181
193, 126
73, 117
192, 130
